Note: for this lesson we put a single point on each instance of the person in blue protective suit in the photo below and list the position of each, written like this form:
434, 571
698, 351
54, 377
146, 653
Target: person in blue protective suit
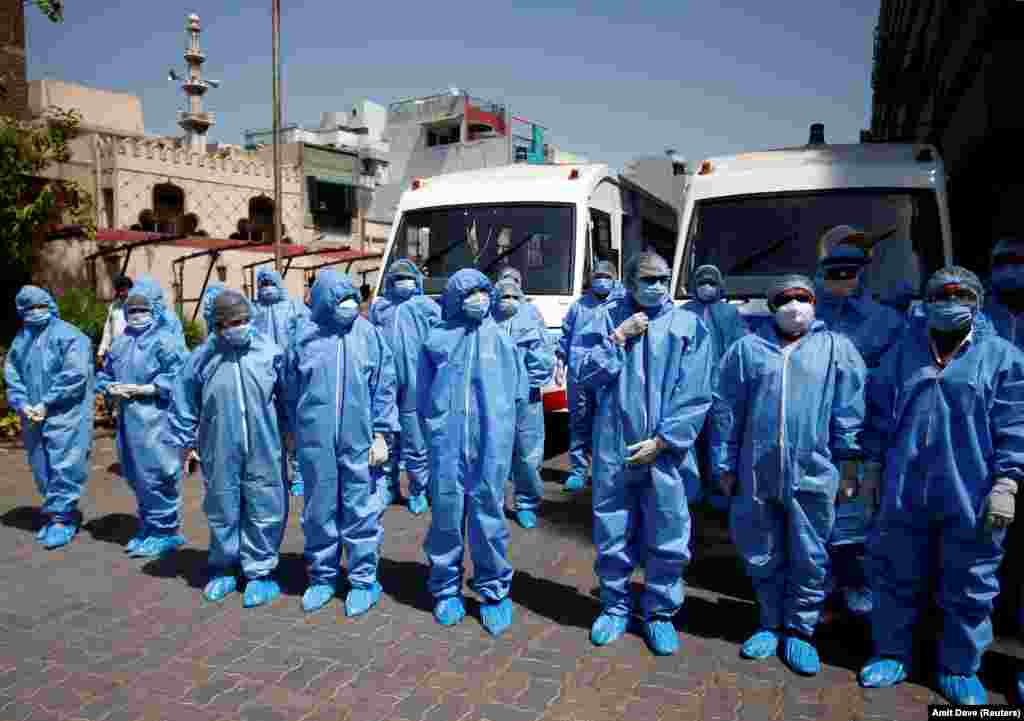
789, 409
726, 326
138, 375
845, 307
405, 316
512, 273
230, 400
342, 384
277, 317
900, 298
469, 384
1005, 309
945, 433
538, 362
50, 375
649, 367
580, 403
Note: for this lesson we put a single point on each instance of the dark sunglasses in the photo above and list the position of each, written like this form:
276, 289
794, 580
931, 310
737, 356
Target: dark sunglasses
653, 279
798, 296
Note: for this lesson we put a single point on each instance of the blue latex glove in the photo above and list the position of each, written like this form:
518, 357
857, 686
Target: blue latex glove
526, 519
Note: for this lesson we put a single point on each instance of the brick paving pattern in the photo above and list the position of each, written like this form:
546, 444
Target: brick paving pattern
89, 634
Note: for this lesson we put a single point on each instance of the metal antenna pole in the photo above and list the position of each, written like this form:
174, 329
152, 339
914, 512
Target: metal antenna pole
276, 237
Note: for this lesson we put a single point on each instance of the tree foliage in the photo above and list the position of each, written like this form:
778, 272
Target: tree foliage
52, 9
30, 204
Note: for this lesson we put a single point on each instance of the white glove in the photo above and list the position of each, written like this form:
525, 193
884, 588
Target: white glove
634, 325
119, 390
378, 451
144, 391
644, 452
870, 489
36, 414
999, 506
727, 482
849, 480
560, 374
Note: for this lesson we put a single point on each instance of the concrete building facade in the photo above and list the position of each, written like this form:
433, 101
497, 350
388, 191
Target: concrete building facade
945, 73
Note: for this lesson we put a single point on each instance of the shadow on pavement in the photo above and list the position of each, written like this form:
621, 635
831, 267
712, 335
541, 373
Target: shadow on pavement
24, 518
117, 528
405, 582
190, 564
554, 601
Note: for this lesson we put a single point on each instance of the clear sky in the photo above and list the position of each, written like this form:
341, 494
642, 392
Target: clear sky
610, 79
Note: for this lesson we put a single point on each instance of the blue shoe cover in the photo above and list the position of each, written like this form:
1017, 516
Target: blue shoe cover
607, 628
858, 600
418, 503
219, 587
882, 673
41, 533
661, 637
360, 600
449, 611
298, 489
801, 656
962, 690
260, 591
526, 519
135, 541
762, 644
1020, 686
58, 534
316, 597
496, 617
156, 546
574, 483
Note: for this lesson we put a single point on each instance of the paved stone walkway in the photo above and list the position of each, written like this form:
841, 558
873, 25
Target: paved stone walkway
87, 633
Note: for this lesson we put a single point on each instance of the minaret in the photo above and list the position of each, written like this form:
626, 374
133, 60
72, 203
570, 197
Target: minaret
194, 121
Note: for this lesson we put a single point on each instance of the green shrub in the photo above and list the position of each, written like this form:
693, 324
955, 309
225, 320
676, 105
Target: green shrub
194, 334
81, 308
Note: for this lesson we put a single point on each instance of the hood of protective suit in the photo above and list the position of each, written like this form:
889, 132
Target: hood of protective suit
513, 273
708, 273
402, 266
150, 289
31, 295
631, 272
501, 289
458, 288
331, 288
273, 276
212, 291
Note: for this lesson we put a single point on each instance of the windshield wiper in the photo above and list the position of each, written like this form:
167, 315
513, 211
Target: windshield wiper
746, 265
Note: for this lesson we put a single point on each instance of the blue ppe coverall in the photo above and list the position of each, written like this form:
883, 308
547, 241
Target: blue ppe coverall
944, 436
725, 326
468, 387
277, 316
537, 362
51, 364
405, 322
873, 328
342, 381
150, 464
229, 402
784, 417
657, 385
580, 402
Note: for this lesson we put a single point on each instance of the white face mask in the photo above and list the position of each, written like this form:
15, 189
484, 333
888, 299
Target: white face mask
795, 318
